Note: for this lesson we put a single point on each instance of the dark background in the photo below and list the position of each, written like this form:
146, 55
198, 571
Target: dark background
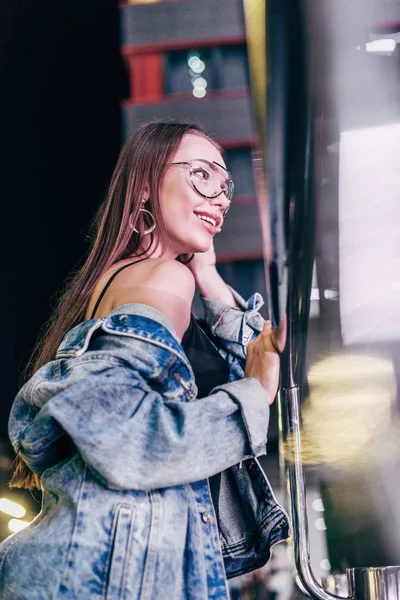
62, 79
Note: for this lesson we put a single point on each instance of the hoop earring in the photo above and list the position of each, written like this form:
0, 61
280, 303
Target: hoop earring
152, 226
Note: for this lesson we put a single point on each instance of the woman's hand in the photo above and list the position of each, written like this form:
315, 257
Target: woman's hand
263, 362
208, 281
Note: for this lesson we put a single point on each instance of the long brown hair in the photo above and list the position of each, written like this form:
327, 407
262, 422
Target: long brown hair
141, 165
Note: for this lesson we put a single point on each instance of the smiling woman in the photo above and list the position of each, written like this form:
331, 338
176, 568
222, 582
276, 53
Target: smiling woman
195, 185
135, 415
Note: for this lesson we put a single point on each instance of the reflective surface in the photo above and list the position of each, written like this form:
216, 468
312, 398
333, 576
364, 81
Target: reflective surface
330, 191
376, 583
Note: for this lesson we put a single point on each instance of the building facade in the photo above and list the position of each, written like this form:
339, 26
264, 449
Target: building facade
188, 59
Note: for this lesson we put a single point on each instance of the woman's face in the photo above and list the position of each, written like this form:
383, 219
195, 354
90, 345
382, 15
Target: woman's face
183, 208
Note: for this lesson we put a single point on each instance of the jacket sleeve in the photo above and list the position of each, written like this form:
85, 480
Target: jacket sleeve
132, 438
235, 327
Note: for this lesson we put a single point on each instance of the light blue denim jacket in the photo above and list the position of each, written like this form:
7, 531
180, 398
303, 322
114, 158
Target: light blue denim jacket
127, 513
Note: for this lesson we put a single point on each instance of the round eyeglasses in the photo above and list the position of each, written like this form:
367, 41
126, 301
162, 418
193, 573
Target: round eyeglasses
210, 180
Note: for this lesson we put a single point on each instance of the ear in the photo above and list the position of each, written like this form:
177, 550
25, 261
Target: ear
146, 192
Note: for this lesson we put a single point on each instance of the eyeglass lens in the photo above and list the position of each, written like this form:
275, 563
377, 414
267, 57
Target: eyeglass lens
211, 180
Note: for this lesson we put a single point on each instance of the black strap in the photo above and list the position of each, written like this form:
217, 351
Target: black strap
113, 276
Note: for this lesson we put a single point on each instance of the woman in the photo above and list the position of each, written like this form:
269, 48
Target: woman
133, 410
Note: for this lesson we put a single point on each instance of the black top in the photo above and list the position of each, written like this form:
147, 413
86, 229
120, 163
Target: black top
105, 288
209, 368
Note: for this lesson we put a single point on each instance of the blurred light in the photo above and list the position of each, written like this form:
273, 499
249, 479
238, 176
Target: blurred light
320, 524
315, 294
12, 508
369, 241
198, 67
349, 405
318, 505
328, 294
333, 148
199, 92
15, 525
314, 304
331, 294
194, 62
200, 82
325, 564
385, 45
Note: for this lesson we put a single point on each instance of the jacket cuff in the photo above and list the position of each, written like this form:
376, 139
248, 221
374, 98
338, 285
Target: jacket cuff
255, 301
236, 324
213, 307
254, 406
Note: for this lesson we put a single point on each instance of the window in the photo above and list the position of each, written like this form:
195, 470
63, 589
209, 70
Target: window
198, 71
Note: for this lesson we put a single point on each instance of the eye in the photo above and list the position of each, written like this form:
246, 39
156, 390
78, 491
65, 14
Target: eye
201, 173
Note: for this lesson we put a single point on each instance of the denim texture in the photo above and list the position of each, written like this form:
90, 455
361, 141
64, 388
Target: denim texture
125, 449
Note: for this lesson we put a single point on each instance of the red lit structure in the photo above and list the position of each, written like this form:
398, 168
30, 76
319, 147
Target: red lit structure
157, 39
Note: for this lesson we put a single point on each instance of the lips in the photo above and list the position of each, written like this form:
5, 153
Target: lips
212, 219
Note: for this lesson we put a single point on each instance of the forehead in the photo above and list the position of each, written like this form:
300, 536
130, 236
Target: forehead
195, 146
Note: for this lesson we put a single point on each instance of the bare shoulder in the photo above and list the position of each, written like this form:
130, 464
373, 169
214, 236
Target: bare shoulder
164, 284
164, 274
173, 275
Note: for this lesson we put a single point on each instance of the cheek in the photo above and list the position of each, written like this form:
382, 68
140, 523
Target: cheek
177, 198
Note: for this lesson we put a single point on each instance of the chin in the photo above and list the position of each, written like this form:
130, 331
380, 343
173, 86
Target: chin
193, 245
199, 247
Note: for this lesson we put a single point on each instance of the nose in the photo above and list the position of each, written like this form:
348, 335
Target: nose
221, 200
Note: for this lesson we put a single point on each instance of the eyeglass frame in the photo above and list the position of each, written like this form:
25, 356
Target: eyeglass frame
231, 185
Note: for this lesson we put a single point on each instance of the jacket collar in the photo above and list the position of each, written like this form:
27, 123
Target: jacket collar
133, 320
143, 310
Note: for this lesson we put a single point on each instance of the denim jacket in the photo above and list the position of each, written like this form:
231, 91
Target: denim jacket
126, 512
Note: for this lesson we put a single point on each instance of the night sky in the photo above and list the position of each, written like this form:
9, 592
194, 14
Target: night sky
62, 80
